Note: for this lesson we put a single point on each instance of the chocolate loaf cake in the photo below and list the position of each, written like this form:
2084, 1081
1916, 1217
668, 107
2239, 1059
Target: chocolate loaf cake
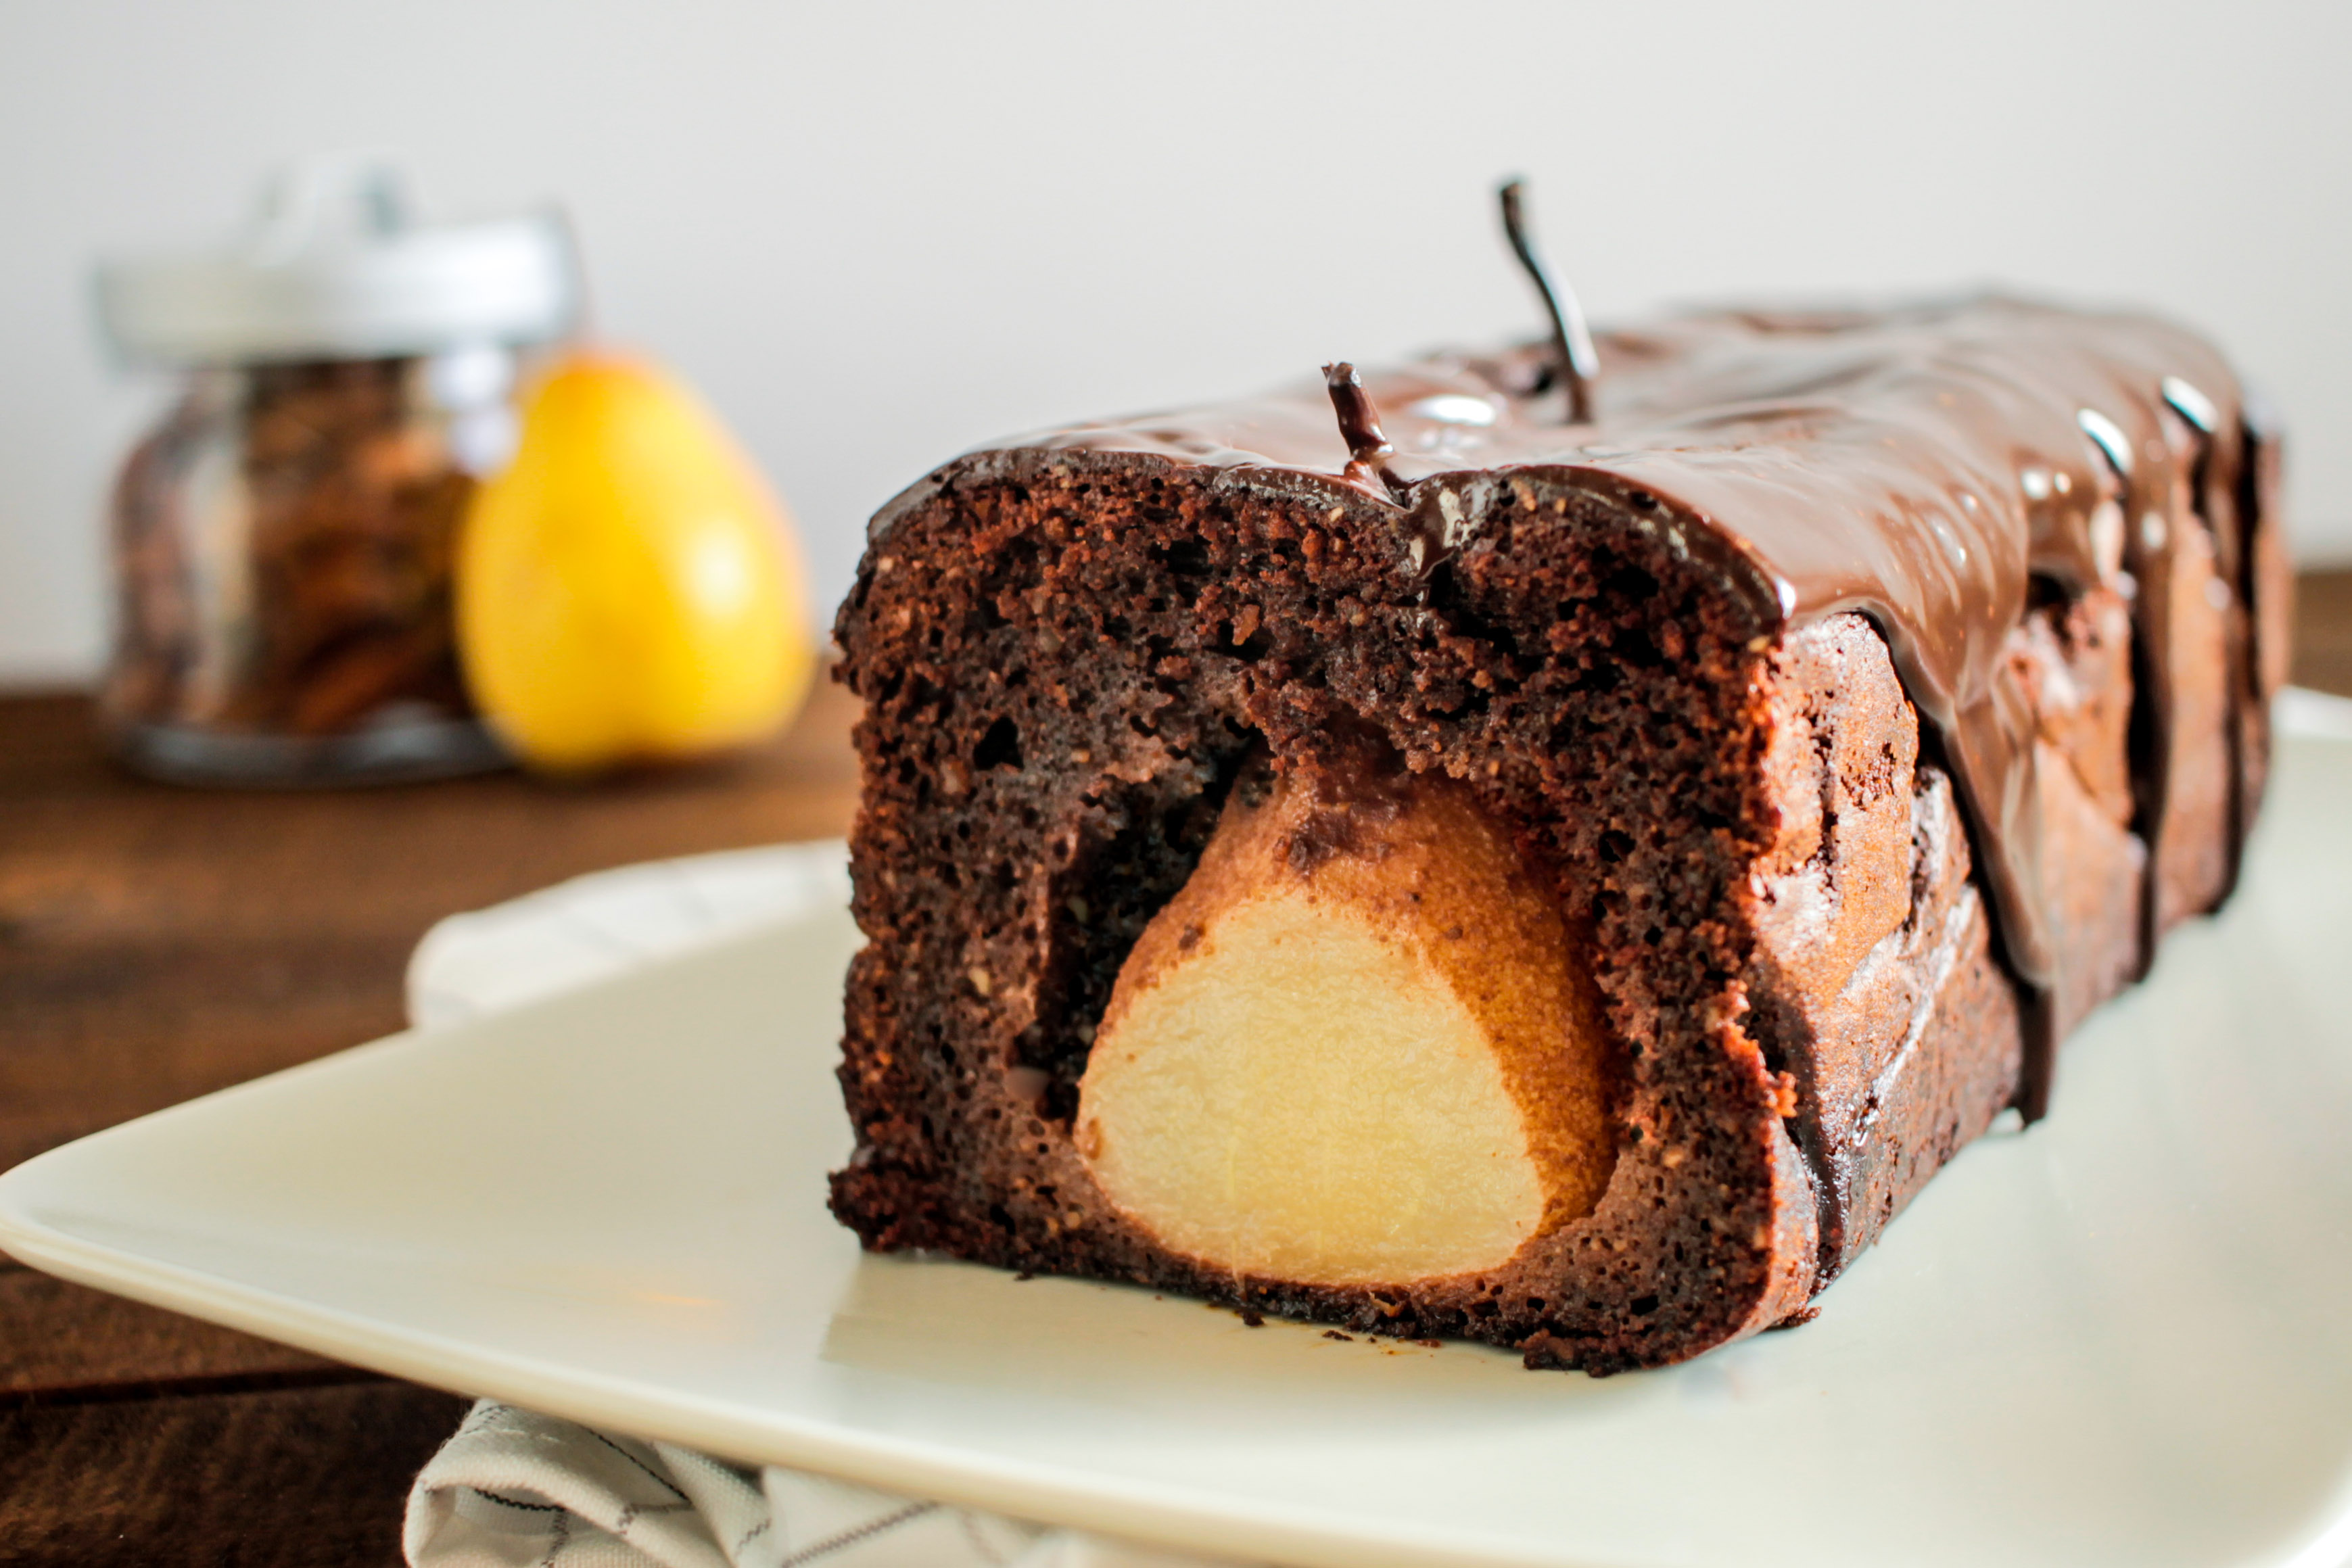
1458, 868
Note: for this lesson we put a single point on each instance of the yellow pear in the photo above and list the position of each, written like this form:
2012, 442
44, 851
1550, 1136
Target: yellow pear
628, 589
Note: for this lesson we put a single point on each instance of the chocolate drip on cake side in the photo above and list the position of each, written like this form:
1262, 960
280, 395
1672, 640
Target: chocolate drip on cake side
1921, 466
2219, 498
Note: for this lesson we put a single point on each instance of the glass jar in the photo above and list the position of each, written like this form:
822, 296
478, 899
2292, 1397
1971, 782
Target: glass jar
284, 536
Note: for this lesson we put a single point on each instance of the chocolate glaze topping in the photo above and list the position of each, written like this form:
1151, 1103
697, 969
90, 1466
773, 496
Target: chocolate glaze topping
1921, 465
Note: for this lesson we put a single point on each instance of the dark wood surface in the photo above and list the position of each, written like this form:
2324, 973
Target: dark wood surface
2323, 632
158, 943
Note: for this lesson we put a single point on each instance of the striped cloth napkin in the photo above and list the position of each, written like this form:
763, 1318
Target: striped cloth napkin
515, 1489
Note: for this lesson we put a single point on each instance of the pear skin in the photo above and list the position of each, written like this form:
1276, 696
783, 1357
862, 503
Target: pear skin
629, 590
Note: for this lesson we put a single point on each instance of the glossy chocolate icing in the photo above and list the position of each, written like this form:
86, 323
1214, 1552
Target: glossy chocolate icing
1922, 466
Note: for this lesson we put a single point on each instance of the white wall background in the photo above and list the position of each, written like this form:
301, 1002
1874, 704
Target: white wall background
875, 234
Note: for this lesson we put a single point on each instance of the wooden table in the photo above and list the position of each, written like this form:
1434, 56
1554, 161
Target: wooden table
156, 944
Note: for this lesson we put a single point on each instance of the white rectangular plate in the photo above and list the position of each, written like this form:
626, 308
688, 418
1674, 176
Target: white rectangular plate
2125, 1337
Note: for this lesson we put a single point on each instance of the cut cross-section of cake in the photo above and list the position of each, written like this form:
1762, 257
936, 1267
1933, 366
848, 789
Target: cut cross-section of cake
1444, 869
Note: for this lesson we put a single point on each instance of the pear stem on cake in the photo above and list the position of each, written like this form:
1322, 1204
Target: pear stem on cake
1369, 450
1575, 363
